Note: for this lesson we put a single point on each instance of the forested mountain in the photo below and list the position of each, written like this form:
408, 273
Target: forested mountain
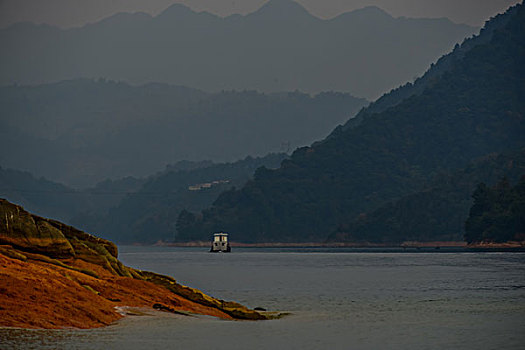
437, 213
133, 210
474, 107
52, 199
42, 196
280, 47
80, 132
149, 214
443, 64
498, 213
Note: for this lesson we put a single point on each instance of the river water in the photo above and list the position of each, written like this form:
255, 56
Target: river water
338, 299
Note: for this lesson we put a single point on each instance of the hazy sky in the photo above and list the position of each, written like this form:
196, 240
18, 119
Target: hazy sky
68, 13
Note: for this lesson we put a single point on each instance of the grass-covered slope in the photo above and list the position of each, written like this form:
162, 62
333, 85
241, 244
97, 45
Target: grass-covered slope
476, 107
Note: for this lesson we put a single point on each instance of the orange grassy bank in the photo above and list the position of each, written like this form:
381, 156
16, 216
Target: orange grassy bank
55, 276
36, 294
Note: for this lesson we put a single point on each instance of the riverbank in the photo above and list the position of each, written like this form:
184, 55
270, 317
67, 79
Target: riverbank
56, 276
316, 244
36, 294
407, 244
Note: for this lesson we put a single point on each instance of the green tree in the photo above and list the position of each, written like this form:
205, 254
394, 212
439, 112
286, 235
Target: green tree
498, 213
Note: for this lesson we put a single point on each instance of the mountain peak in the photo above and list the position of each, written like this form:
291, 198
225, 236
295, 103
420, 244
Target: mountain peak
366, 12
122, 18
282, 8
372, 10
176, 10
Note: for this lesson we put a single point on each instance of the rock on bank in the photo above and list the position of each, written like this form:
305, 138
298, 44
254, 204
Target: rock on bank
54, 276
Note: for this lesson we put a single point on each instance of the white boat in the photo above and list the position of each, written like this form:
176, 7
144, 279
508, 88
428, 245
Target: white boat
220, 243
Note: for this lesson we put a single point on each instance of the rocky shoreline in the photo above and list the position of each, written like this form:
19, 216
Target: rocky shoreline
55, 276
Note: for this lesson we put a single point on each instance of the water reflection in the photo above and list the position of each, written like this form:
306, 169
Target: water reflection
363, 300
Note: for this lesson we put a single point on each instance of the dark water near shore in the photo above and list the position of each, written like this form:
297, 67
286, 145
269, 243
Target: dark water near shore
339, 299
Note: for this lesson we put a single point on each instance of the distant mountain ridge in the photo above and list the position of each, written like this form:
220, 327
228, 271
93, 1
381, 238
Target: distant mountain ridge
279, 47
149, 213
60, 202
474, 108
81, 131
133, 210
42, 196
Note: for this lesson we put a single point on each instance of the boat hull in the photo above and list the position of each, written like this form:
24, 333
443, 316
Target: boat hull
221, 250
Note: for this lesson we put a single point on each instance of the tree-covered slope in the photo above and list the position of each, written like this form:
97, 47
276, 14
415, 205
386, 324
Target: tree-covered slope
60, 202
149, 214
41, 196
476, 107
438, 212
80, 132
443, 64
498, 213
133, 210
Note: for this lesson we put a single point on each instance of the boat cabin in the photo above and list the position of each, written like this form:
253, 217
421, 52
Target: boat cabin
220, 243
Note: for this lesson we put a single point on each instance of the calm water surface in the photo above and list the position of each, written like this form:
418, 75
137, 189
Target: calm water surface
339, 299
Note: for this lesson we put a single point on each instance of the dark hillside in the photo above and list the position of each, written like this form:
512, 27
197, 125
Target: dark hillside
437, 213
498, 213
475, 107
444, 64
149, 214
80, 132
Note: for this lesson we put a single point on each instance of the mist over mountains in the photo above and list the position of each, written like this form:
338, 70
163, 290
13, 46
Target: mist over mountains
130, 209
471, 105
402, 169
279, 47
80, 132
149, 213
